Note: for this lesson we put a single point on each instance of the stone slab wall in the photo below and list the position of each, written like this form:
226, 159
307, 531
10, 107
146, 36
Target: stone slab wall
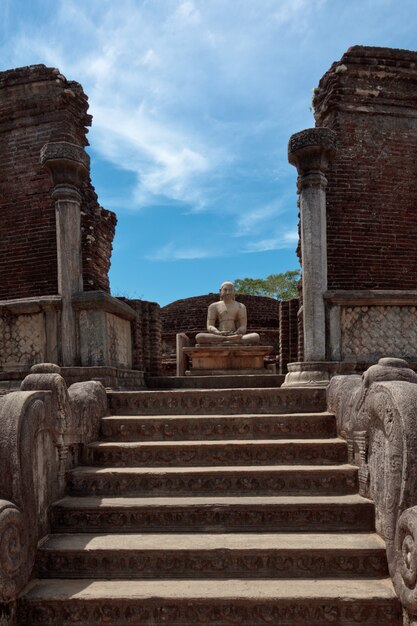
38, 105
371, 332
369, 98
29, 332
22, 339
364, 326
105, 339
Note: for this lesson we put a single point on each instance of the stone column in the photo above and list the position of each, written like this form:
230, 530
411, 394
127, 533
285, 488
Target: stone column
311, 151
69, 165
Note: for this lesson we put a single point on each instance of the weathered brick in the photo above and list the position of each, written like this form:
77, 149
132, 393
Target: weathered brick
39, 105
369, 98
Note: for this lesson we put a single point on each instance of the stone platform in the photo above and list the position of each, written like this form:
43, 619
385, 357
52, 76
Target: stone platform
227, 359
224, 381
110, 377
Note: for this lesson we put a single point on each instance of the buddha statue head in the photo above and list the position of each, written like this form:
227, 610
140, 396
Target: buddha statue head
227, 291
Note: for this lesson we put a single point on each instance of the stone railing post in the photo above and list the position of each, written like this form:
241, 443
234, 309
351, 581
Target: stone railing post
311, 151
69, 165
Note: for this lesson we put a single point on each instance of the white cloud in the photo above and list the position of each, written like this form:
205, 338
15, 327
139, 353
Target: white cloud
159, 75
258, 219
187, 13
170, 252
296, 13
288, 239
167, 162
150, 58
183, 94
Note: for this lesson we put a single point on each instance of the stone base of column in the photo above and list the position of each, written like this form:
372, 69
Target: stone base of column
315, 373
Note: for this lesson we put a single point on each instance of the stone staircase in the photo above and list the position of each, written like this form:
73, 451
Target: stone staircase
231, 506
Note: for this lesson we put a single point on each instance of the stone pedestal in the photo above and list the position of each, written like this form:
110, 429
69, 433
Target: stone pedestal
227, 359
314, 373
104, 329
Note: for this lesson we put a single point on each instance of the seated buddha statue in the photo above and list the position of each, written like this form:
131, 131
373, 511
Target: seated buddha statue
227, 321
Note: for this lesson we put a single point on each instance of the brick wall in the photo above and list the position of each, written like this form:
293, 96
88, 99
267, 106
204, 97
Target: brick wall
369, 98
288, 333
37, 105
146, 336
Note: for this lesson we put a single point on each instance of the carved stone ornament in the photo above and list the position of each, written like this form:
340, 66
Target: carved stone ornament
14, 554
99, 515
63, 150
211, 484
195, 455
68, 163
377, 416
225, 401
405, 571
217, 565
38, 427
179, 613
243, 427
311, 150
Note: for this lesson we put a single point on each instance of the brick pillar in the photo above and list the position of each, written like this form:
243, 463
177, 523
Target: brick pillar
300, 355
69, 166
311, 151
137, 353
284, 336
146, 337
293, 329
155, 339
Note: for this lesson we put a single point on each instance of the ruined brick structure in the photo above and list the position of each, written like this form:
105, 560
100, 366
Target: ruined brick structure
38, 105
55, 302
358, 231
369, 99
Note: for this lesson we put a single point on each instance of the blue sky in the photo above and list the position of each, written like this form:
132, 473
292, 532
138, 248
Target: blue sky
193, 103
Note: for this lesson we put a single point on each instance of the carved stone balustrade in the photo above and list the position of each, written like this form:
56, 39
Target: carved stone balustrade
42, 429
376, 414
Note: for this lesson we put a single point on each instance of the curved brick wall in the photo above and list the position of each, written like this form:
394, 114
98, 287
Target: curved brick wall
190, 315
37, 105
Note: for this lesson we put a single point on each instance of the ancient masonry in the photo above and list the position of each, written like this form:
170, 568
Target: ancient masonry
224, 499
358, 232
38, 105
56, 239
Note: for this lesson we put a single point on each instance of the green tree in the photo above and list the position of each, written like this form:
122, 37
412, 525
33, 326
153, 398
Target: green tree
280, 286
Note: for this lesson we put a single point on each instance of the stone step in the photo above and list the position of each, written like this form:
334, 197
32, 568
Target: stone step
179, 427
211, 481
226, 452
214, 514
218, 401
225, 381
241, 602
285, 555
